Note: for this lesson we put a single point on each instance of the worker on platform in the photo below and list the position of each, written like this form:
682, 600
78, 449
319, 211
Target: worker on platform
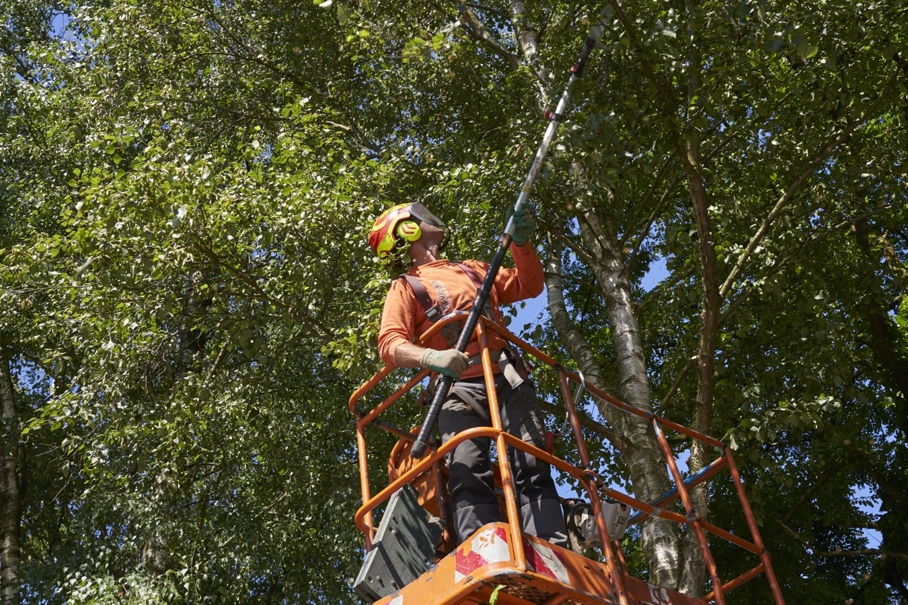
430, 289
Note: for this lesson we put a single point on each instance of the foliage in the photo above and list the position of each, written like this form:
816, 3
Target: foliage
187, 300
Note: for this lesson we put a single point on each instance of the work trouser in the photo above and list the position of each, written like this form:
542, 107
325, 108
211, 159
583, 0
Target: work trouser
471, 485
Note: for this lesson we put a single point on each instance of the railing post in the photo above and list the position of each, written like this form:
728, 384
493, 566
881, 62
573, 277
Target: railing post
754, 531
593, 489
692, 516
364, 479
507, 480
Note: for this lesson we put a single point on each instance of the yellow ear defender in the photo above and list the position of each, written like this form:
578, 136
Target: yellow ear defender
408, 231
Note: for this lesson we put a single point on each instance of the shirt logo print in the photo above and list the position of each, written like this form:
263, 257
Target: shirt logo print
444, 298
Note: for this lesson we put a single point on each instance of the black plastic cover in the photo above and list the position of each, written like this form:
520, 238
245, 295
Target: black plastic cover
404, 547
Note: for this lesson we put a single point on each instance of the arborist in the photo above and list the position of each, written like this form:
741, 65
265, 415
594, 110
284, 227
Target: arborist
431, 288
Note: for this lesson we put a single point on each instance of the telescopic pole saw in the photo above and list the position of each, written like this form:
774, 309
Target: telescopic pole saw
419, 447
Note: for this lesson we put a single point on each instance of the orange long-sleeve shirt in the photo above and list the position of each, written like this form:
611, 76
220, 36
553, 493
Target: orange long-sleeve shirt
404, 320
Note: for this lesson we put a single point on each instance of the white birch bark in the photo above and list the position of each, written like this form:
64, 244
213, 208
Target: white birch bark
647, 466
526, 35
10, 496
660, 539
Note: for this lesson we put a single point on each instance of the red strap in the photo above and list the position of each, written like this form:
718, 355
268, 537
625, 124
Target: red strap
422, 295
433, 313
474, 277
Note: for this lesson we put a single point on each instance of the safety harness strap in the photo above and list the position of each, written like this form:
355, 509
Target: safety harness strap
474, 277
433, 313
509, 360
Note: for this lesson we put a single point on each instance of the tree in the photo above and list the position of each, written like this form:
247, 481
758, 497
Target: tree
188, 300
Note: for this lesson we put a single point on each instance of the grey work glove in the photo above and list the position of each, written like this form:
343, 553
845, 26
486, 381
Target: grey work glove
449, 362
523, 226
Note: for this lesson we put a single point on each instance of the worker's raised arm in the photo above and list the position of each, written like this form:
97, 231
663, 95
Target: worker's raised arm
526, 279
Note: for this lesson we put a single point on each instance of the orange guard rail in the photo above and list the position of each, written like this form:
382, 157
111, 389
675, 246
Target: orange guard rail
591, 481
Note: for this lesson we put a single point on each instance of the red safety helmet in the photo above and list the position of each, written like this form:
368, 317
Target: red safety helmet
397, 224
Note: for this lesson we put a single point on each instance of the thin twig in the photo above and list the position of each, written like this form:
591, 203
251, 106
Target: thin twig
660, 411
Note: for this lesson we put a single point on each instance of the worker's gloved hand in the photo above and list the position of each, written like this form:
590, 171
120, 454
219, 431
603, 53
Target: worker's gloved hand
523, 226
450, 362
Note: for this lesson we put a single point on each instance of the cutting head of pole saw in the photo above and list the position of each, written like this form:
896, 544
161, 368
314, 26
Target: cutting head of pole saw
398, 227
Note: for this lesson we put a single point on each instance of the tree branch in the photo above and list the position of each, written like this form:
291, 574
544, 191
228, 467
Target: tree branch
644, 233
861, 553
250, 54
645, 64
319, 330
812, 165
861, 460
663, 405
479, 31
816, 485
575, 248
786, 262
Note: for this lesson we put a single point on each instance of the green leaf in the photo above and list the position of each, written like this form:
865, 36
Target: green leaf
807, 50
343, 13
774, 44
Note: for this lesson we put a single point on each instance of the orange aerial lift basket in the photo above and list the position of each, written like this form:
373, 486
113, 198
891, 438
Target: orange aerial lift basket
518, 568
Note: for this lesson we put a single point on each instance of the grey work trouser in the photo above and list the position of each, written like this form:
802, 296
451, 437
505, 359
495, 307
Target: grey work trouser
471, 486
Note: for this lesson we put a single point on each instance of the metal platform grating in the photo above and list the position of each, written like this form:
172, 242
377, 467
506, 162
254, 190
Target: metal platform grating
527, 593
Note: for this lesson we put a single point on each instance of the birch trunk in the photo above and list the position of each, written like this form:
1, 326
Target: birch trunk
525, 33
10, 497
693, 570
635, 438
659, 539
644, 459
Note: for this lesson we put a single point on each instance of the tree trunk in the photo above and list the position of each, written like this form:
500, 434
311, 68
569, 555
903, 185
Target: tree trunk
526, 35
10, 499
693, 572
880, 337
644, 459
645, 462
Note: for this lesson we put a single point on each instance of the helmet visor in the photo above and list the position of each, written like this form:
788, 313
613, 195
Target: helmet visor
422, 213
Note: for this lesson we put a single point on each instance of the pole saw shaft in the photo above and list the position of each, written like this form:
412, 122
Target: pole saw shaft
428, 426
